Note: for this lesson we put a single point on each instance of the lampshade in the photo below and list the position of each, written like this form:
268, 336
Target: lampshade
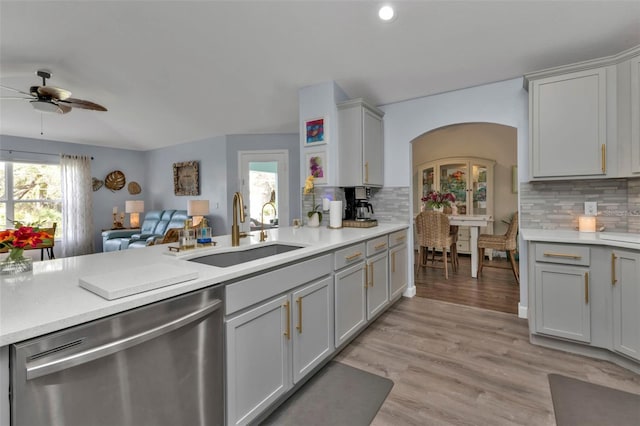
198, 208
134, 206
587, 224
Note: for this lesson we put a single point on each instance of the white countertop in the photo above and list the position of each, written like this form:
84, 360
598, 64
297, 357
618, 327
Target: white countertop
613, 239
51, 299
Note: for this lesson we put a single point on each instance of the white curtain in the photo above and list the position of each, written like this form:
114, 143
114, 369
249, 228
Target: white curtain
77, 205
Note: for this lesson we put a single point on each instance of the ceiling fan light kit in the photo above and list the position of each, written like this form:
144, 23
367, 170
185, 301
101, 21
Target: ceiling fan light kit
48, 107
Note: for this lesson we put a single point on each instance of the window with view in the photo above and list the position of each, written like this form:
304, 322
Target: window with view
30, 194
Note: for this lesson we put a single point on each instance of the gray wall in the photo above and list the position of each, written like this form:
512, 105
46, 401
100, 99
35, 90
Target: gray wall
211, 155
131, 163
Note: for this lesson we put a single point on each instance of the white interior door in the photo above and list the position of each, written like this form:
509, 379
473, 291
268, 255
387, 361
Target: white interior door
262, 172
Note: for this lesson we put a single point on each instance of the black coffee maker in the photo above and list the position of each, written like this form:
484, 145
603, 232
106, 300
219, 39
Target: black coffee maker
357, 206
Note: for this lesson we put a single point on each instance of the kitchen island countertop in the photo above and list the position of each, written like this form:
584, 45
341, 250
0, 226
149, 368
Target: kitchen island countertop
51, 299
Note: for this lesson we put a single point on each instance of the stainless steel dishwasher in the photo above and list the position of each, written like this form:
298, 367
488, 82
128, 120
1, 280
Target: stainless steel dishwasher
161, 364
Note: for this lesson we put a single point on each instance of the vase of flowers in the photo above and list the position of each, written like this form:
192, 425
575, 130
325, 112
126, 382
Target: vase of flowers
16, 240
314, 215
438, 200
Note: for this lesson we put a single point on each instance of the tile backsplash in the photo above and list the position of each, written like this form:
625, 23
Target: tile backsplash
557, 204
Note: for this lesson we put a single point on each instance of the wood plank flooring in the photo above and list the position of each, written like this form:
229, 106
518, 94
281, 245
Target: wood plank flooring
461, 365
495, 289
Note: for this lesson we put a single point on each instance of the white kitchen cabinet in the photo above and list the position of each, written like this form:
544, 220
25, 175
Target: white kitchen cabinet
398, 258
377, 284
272, 346
634, 64
350, 302
625, 282
361, 144
561, 291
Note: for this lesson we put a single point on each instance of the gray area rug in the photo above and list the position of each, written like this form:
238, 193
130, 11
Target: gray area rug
581, 403
337, 395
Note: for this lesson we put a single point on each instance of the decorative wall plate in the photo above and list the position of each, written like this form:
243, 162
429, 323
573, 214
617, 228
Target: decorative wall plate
115, 180
134, 188
96, 184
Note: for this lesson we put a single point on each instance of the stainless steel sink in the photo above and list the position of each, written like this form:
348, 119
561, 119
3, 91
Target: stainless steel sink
236, 257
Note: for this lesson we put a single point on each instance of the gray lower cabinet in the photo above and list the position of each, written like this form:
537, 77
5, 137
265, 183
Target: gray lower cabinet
562, 301
377, 284
625, 282
350, 302
271, 346
398, 261
561, 285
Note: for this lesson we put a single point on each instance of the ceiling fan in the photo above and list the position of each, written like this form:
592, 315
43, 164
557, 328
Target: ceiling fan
52, 99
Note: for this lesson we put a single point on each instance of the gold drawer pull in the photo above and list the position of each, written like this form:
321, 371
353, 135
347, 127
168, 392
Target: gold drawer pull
614, 280
371, 274
586, 288
287, 332
401, 238
604, 158
366, 275
562, 255
353, 256
299, 326
393, 262
380, 246
366, 172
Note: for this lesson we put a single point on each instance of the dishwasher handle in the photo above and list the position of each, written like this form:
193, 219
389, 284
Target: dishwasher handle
119, 345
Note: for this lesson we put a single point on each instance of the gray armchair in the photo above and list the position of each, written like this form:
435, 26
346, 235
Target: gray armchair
155, 225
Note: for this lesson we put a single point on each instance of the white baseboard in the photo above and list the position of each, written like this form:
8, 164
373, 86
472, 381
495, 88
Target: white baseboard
522, 311
410, 291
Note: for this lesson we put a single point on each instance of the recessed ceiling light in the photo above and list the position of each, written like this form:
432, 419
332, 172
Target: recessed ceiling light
386, 13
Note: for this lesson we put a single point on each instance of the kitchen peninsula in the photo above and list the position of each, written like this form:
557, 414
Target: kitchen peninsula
375, 259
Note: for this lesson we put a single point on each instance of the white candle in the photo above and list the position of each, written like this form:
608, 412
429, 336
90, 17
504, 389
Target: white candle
115, 210
325, 204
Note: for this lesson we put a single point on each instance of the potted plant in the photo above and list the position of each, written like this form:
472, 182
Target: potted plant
438, 200
314, 215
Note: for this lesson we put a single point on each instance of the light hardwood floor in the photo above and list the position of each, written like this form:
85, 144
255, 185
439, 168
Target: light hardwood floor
462, 365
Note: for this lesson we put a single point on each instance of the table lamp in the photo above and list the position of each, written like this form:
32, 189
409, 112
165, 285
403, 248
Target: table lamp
134, 208
197, 209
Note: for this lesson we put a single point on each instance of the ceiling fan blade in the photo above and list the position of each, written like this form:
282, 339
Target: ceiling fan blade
65, 109
15, 90
79, 103
54, 92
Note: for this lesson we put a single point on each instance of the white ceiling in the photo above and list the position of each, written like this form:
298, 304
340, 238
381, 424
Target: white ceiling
177, 71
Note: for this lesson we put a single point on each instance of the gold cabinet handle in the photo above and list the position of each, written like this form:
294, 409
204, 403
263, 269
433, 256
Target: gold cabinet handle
401, 238
393, 262
299, 326
380, 246
614, 280
562, 255
604, 158
371, 275
586, 288
353, 256
287, 332
366, 172
366, 275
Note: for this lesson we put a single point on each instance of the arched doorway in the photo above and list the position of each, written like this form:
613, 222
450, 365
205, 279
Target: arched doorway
496, 143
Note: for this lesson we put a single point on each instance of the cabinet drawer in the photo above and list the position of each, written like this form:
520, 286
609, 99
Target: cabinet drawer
398, 238
377, 245
463, 246
242, 294
349, 256
463, 233
568, 254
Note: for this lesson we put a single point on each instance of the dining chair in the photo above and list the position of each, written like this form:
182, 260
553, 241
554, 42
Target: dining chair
507, 243
434, 232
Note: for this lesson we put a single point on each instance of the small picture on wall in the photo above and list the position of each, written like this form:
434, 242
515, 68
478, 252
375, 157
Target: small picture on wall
315, 131
185, 178
317, 166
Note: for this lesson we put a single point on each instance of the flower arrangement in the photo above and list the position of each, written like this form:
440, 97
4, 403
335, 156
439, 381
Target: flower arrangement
435, 199
17, 239
310, 189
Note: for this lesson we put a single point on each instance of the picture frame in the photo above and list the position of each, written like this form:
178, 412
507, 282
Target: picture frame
316, 165
186, 178
315, 131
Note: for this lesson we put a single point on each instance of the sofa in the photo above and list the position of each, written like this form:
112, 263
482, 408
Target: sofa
155, 225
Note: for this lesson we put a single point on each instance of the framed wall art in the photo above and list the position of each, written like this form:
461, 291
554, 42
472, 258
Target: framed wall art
186, 180
315, 131
316, 165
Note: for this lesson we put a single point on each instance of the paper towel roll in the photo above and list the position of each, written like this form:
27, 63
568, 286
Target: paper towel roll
335, 214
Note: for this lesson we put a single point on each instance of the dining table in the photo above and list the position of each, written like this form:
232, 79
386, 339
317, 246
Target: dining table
474, 222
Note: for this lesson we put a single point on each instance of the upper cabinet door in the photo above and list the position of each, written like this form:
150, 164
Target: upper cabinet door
372, 149
635, 114
568, 124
